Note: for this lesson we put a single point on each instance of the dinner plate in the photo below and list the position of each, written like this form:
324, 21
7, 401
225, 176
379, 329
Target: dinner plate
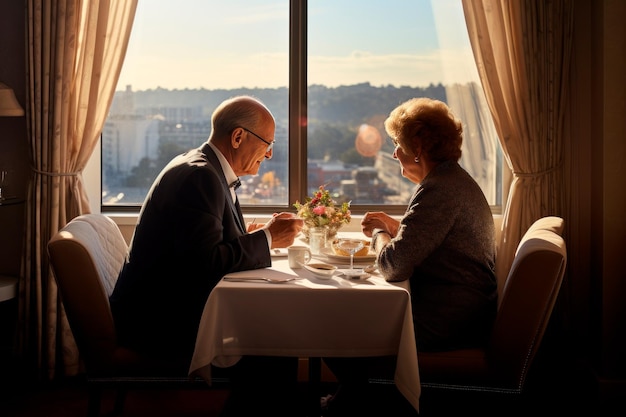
328, 252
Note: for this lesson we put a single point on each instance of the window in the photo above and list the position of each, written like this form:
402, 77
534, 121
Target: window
330, 71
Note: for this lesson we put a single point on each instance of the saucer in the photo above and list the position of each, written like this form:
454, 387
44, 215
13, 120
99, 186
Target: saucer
362, 275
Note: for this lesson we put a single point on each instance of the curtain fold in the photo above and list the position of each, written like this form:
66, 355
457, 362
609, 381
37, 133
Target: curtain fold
522, 51
75, 53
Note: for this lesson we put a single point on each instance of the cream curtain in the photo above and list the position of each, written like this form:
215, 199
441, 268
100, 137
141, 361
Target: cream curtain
522, 50
75, 53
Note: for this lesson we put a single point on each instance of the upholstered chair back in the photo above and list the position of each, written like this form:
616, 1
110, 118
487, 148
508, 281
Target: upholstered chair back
526, 303
86, 257
527, 299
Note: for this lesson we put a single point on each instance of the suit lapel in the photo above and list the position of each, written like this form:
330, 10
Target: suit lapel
234, 205
242, 222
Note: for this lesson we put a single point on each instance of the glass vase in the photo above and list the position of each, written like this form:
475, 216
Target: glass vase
317, 239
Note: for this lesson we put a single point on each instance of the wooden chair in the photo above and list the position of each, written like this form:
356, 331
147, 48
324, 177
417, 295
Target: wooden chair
526, 302
86, 257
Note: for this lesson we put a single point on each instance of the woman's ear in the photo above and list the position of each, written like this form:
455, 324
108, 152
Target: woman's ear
417, 151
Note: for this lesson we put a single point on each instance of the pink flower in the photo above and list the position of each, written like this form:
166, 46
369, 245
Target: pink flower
320, 210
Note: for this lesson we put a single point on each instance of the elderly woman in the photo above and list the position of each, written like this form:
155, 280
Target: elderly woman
444, 243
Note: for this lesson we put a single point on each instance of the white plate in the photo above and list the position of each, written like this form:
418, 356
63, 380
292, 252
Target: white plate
328, 252
321, 270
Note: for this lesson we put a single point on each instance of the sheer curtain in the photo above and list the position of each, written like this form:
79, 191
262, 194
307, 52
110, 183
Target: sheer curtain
75, 53
522, 50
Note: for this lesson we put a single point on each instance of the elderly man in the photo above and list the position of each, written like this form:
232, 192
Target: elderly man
191, 232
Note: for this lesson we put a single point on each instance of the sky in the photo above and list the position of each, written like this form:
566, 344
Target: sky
244, 43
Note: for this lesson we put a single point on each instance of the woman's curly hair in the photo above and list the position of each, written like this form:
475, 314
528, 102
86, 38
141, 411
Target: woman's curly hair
429, 123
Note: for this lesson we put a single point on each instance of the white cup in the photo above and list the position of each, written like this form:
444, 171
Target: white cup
298, 255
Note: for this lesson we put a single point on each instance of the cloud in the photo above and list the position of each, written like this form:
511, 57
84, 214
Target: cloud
445, 66
270, 70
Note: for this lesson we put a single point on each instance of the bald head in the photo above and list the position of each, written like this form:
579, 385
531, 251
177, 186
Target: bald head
243, 130
236, 112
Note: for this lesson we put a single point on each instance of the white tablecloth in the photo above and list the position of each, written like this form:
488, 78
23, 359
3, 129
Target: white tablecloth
309, 317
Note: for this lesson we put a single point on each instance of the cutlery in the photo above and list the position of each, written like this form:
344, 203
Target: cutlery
272, 280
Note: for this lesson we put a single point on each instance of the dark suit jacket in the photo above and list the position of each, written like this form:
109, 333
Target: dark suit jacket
189, 235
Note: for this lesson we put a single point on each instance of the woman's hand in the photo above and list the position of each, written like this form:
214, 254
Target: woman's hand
379, 220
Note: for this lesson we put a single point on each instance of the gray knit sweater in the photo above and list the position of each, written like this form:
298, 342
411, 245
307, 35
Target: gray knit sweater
445, 246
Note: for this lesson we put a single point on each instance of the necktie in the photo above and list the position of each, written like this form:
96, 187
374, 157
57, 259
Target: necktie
235, 184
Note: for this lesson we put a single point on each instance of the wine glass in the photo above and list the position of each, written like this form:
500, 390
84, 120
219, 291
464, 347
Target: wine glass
351, 246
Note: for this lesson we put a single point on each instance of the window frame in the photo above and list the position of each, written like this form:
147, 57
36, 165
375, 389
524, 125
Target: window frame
297, 135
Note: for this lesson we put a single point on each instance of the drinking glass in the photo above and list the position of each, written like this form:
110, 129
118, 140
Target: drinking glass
317, 239
351, 246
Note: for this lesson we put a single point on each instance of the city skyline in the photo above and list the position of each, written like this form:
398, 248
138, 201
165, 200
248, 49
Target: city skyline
174, 45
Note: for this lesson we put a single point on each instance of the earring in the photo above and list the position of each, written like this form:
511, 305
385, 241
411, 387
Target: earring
417, 159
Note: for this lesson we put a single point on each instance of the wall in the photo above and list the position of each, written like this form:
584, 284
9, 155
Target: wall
13, 143
610, 172
595, 289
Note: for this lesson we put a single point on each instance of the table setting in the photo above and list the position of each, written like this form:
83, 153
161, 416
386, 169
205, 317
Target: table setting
347, 256
323, 219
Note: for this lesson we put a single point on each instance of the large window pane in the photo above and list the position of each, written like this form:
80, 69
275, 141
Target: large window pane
366, 58
184, 58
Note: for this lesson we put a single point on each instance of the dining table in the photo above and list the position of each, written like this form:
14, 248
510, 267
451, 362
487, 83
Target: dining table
284, 311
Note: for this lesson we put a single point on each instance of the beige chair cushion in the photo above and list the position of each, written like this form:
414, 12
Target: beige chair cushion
86, 257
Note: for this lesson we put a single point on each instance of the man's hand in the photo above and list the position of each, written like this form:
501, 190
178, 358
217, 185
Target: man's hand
254, 226
284, 227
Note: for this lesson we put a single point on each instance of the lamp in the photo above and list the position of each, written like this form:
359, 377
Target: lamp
9, 105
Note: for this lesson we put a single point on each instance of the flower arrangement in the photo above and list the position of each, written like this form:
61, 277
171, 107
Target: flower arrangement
321, 210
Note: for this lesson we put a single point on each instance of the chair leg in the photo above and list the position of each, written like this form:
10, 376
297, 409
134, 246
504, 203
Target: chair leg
93, 404
314, 386
120, 398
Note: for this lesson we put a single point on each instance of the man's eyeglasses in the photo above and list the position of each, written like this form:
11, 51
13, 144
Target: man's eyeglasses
270, 145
